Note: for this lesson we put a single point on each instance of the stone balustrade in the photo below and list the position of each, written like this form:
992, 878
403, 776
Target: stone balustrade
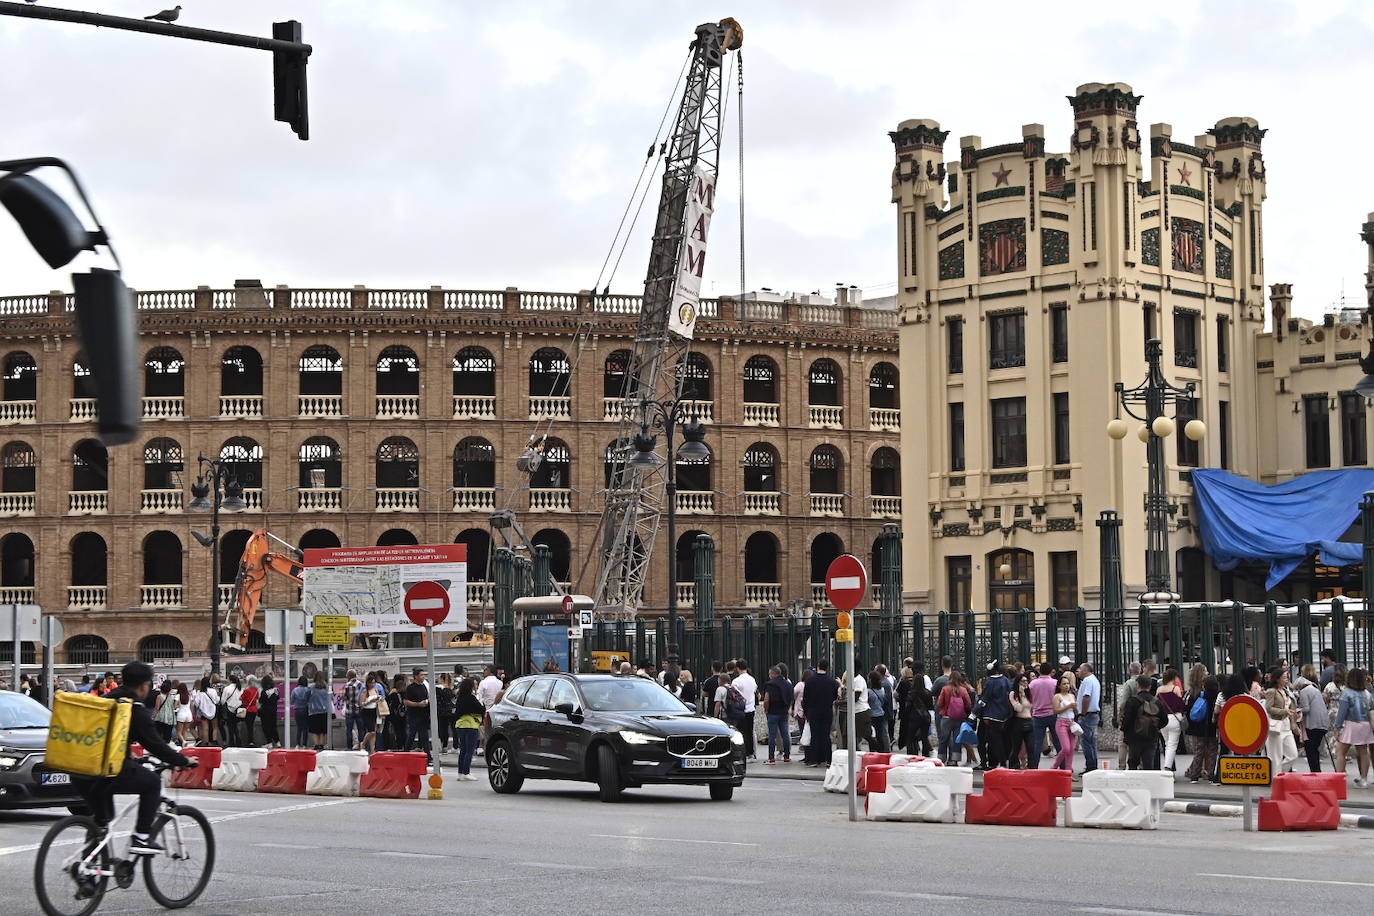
831, 504
885, 419
18, 411
398, 499
551, 500
550, 408
86, 597
696, 502
160, 596
164, 408
160, 501
474, 499
320, 405
824, 416
398, 406
241, 406
17, 503
88, 502
762, 503
474, 407
756, 414
887, 506
757, 594
319, 499
84, 410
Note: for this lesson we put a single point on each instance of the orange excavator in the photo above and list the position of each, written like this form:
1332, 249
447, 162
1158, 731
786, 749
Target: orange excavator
260, 556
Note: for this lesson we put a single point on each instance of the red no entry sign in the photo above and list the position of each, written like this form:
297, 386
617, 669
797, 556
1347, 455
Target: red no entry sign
1243, 724
846, 582
427, 604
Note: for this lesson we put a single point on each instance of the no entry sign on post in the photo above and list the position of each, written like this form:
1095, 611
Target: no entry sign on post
846, 582
427, 604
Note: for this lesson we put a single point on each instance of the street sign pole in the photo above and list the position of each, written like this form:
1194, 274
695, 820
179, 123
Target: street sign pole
49, 625
1247, 816
1243, 726
286, 679
436, 779
329, 679
427, 604
18, 643
849, 730
846, 583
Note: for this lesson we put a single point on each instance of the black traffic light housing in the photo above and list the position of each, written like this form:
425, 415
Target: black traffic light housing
288, 80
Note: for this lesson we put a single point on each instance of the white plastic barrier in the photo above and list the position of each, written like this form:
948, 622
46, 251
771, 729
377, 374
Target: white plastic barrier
837, 776
1120, 798
336, 773
239, 768
922, 791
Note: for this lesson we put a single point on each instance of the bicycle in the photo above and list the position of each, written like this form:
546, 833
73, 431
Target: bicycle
74, 884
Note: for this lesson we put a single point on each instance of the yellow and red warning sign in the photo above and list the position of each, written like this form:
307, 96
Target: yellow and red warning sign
1243, 725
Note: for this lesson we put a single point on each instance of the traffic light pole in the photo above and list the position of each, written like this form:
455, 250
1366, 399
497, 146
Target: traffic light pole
291, 54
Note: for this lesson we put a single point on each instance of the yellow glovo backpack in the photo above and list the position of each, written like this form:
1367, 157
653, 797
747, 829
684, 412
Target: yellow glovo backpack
89, 736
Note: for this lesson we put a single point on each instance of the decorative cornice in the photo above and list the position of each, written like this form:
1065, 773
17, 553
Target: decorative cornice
1184, 191
1004, 295
988, 152
1245, 132
1053, 214
919, 136
934, 212
997, 193
1106, 100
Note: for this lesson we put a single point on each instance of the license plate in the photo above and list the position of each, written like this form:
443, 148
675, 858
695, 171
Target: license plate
54, 779
698, 763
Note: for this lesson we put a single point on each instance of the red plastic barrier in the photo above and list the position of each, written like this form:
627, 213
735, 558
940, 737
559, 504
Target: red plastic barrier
1019, 798
200, 777
286, 771
873, 778
393, 774
1303, 801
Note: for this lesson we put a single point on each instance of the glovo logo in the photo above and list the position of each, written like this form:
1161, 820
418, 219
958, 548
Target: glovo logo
91, 740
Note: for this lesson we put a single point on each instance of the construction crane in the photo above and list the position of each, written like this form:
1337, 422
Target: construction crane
260, 557
635, 495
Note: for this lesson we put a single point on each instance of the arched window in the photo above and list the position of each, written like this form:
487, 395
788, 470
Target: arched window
88, 650
89, 560
398, 371
18, 468
231, 545
21, 377
1011, 579
685, 556
398, 463
474, 373
162, 559
761, 468
827, 466
319, 539
885, 473
694, 473
396, 537
882, 386
27, 652
320, 453
243, 457
82, 386
474, 463
617, 375
321, 371
153, 648
90, 466
761, 558
823, 383
16, 561
560, 552
618, 452
555, 471
550, 373
240, 373
825, 548
695, 377
164, 374
478, 542
760, 380
163, 462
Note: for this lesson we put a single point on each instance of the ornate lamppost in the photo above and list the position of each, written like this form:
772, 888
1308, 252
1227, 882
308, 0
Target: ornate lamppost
218, 489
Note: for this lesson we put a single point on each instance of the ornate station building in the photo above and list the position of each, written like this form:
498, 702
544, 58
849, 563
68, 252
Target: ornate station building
1030, 281
359, 416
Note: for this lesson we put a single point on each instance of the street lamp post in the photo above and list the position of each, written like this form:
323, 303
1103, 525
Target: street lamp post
667, 416
1154, 396
220, 491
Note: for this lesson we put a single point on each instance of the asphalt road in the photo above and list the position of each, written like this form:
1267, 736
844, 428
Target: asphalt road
781, 846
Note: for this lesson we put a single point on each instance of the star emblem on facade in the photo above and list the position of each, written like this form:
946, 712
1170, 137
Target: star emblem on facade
1184, 175
1002, 174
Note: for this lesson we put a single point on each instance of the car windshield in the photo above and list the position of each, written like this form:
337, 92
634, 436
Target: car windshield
630, 694
18, 711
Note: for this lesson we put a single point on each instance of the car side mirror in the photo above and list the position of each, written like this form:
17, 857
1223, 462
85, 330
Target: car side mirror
571, 711
691, 706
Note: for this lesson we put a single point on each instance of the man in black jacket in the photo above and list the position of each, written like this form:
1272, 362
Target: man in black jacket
135, 779
818, 704
1142, 718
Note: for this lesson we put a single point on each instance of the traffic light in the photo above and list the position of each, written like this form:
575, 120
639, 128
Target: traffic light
288, 80
104, 308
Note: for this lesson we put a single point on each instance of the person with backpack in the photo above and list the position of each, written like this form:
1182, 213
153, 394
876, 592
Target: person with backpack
1142, 719
1202, 728
954, 705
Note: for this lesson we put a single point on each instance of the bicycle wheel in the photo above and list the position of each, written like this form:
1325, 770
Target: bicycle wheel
178, 875
68, 879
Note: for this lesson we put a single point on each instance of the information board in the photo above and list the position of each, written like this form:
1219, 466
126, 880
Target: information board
331, 630
1245, 771
368, 584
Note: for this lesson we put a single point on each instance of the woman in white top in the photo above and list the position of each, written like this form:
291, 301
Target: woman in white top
1065, 707
205, 701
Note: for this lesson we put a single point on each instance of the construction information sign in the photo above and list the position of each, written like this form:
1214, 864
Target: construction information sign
1245, 771
331, 631
368, 584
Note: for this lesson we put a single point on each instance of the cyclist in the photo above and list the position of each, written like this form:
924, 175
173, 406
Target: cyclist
135, 779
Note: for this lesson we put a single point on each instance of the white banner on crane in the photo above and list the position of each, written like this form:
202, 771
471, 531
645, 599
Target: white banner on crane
701, 203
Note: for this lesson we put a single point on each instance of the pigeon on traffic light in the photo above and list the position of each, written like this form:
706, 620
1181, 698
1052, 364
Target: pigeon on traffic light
166, 15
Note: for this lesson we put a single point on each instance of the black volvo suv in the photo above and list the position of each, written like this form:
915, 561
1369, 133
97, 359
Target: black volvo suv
617, 731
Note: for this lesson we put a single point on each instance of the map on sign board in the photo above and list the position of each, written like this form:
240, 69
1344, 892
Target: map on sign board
368, 584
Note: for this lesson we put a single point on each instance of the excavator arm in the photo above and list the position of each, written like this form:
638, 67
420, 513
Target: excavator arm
260, 558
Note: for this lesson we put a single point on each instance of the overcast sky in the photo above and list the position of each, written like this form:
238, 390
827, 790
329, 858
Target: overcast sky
481, 145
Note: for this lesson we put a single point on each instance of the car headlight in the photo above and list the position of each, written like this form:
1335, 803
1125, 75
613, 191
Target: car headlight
8, 763
632, 737
736, 738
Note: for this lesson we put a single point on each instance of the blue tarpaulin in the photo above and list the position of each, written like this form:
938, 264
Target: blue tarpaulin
1285, 523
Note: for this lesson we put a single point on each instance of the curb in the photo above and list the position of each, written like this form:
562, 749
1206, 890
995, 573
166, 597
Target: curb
1356, 821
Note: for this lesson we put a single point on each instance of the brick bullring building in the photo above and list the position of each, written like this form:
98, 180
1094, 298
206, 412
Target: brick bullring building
358, 417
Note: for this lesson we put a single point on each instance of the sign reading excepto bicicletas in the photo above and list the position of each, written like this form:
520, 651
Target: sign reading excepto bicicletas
1245, 771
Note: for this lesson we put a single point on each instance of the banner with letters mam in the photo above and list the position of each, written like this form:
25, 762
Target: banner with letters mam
701, 203
367, 584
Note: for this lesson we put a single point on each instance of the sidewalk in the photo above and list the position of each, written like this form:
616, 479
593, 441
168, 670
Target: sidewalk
1359, 800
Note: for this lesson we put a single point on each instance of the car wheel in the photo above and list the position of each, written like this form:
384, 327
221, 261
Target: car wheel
722, 791
501, 773
608, 779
